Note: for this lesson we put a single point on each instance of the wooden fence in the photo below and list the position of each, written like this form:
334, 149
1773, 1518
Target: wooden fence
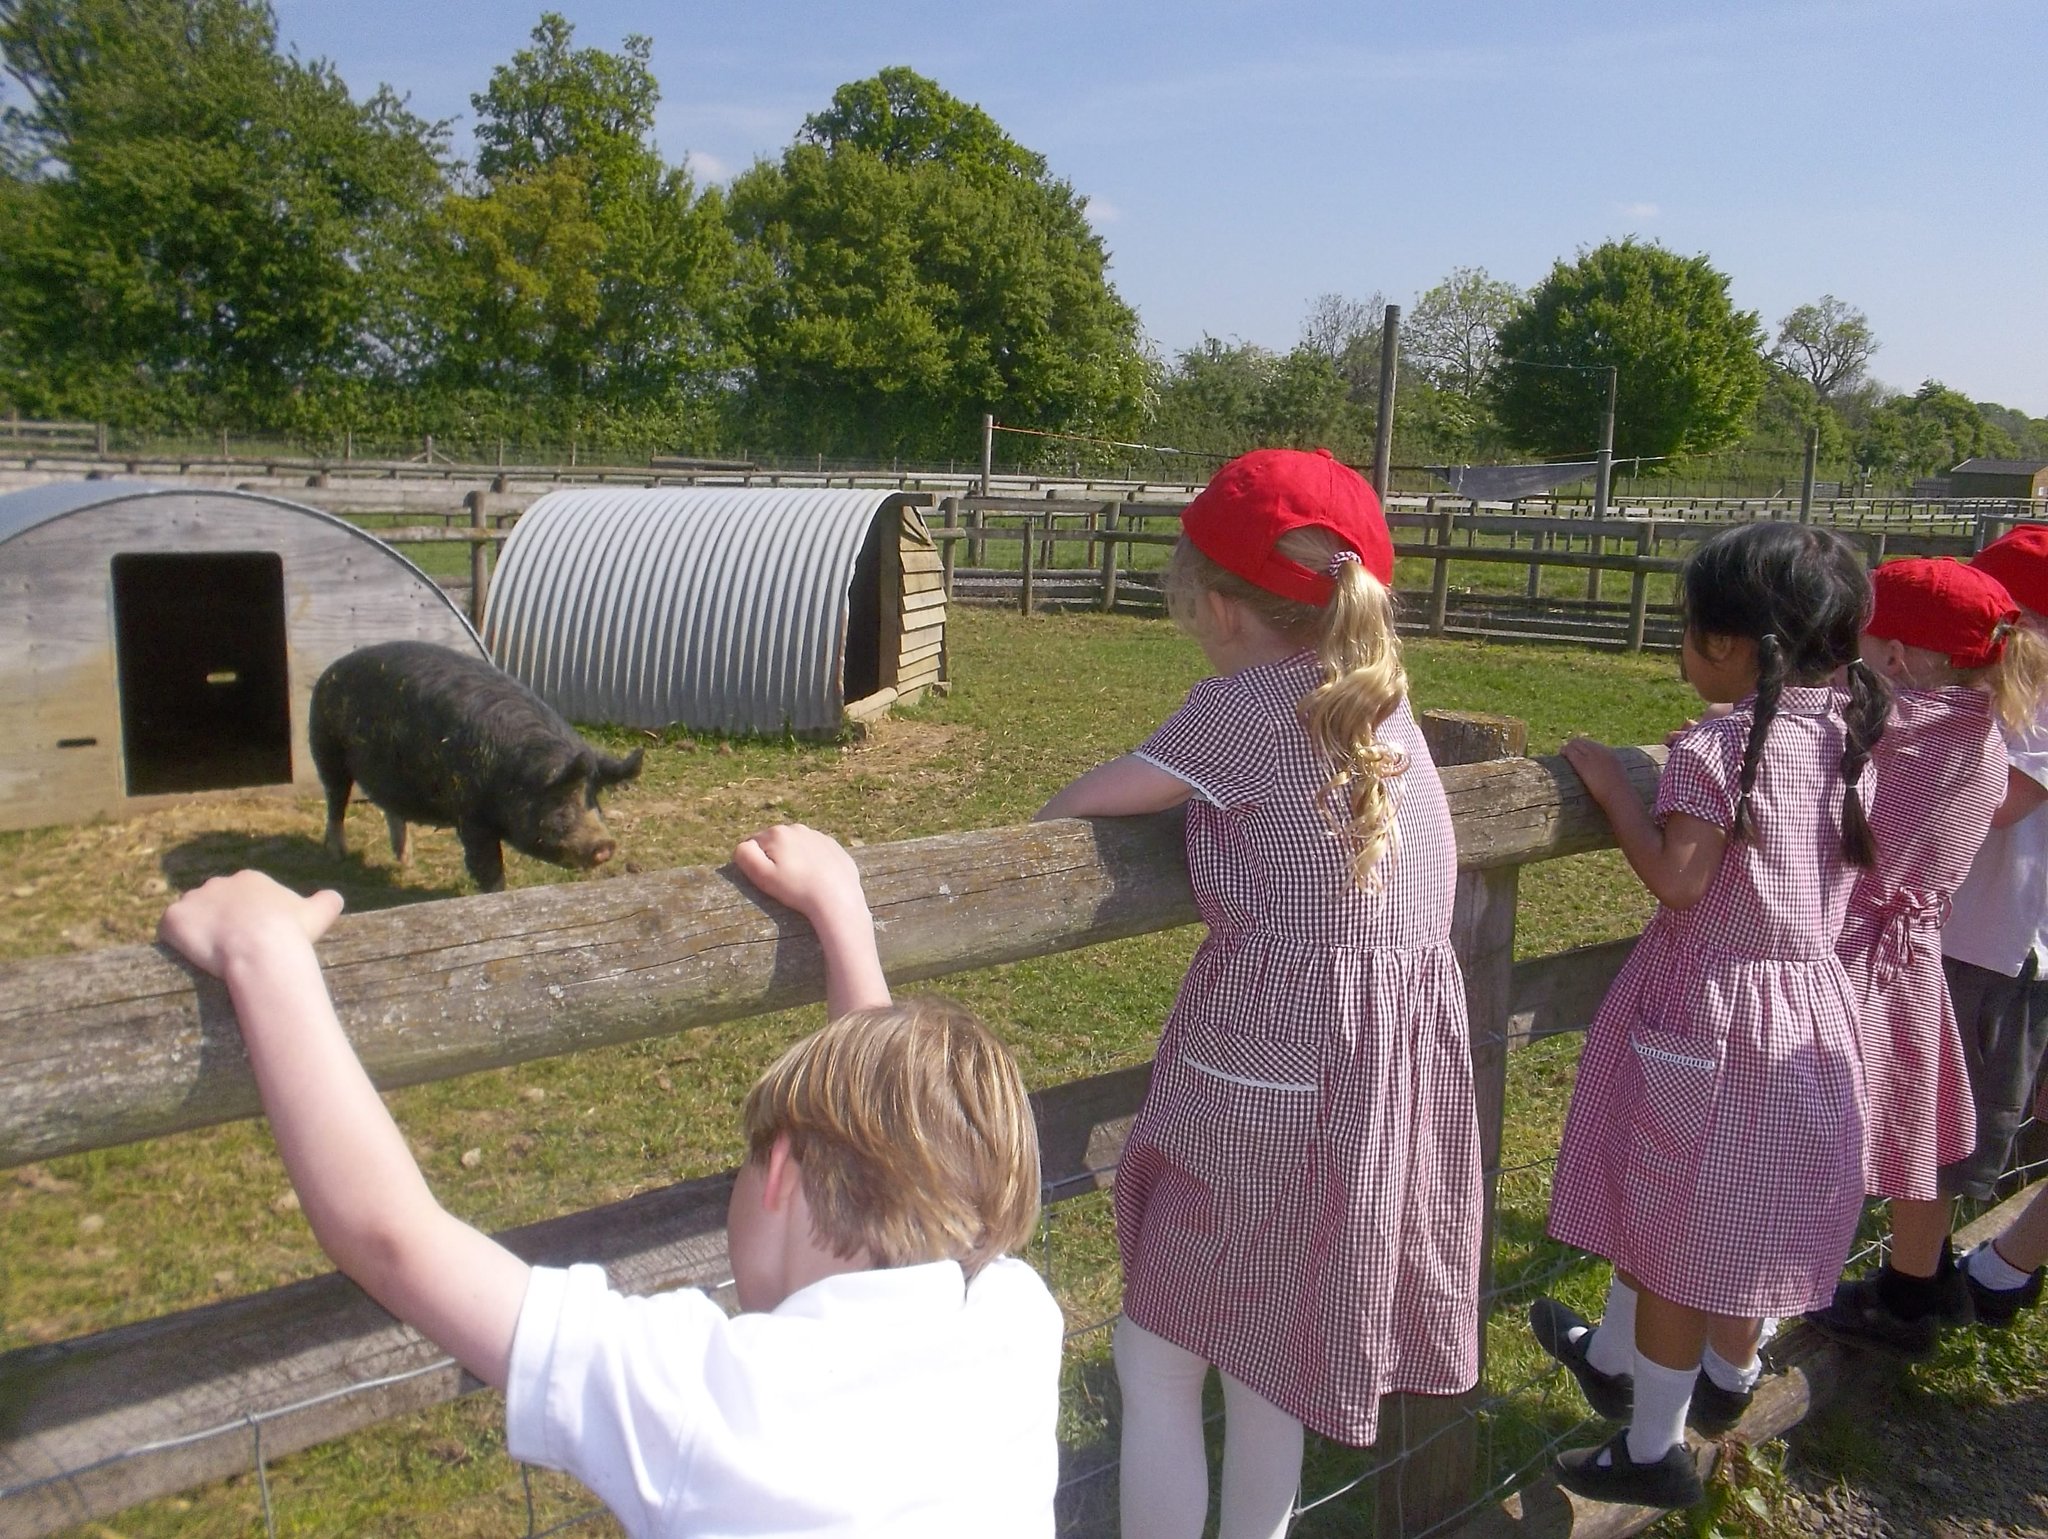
128, 1044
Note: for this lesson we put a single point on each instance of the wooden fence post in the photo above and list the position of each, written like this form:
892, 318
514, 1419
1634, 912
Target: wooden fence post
949, 511
1024, 544
1537, 542
479, 561
1109, 558
1440, 576
974, 551
1436, 1436
1639, 589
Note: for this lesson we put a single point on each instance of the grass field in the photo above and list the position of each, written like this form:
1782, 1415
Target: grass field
99, 1239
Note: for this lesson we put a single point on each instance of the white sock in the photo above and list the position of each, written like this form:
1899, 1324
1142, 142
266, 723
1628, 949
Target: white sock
1662, 1395
1737, 1381
1993, 1270
1613, 1347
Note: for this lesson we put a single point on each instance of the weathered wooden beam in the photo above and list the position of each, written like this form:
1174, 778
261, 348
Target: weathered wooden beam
127, 1043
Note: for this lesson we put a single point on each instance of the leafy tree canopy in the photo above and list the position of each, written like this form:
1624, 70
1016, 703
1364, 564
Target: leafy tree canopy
191, 211
1454, 331
899, 292
1689, 370
1930, 431
1828, 344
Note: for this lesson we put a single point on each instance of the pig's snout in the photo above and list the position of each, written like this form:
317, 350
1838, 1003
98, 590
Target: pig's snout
603, 852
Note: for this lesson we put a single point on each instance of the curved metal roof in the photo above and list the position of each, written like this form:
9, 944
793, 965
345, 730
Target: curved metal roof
34, 506
722, 608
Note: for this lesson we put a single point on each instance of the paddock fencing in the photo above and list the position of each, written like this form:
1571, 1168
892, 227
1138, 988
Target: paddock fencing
123, 1045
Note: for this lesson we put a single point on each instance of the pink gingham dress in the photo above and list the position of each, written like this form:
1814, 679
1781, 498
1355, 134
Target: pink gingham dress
1714, 1143
1299, 1199
1941, 773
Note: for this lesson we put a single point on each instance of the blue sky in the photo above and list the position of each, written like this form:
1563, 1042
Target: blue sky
1243, 158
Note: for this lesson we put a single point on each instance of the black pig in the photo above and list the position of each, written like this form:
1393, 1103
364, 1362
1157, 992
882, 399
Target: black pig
437, 736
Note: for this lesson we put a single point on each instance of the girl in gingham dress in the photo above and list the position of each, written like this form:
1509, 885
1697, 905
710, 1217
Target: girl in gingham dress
1713, 1150
1298, 1201
1947, 636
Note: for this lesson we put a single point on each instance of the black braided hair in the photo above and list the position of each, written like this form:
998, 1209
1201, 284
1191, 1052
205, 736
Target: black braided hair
1870, 702
1800, 593
1770, 684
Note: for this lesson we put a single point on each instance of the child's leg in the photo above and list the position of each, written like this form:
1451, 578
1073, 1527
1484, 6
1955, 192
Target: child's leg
1669, 1341
1261, 1465
1612, 1347
1919, 1232
1165, 1465
2024, 1245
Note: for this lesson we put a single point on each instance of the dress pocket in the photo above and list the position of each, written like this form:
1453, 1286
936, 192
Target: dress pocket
1677, 1082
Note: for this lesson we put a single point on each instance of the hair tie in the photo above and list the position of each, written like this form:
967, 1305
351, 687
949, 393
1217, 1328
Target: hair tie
1340, 558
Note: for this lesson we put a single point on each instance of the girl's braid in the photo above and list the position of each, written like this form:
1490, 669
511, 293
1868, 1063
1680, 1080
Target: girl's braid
1770, 683
1869, 705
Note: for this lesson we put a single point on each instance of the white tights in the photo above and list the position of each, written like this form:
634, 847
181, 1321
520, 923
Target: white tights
1165, 1464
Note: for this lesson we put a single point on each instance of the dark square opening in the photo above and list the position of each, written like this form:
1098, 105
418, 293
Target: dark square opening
205, 686
862, 674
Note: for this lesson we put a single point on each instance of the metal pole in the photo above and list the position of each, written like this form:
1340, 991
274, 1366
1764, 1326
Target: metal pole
1383, 439
988, 448
1806, 476
1603, 480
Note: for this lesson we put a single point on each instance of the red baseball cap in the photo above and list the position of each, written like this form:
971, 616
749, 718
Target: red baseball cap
1941, 605
1256, 498
2020, 561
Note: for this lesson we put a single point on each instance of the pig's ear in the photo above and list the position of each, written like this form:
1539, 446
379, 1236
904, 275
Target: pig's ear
612, 772
573, 772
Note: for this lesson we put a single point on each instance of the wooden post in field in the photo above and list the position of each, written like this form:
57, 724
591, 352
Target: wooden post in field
949, 511
1024, 544
1536, 543
479, 560
1383, 434
1436, 1435
974, 548
1440, 577
1603, 483
988, 449
1806, 475
1108, 554
1639, 588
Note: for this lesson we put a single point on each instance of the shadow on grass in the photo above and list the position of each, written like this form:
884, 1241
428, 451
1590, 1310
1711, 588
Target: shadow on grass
300, 862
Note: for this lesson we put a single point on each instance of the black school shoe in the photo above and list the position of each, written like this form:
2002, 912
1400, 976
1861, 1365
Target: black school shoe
1715, 1410
1859, 1317
1672, 1481
1612, 1395
1999, 1307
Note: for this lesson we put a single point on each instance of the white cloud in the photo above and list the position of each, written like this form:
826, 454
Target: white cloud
1637, 210
707, 167
1102, 211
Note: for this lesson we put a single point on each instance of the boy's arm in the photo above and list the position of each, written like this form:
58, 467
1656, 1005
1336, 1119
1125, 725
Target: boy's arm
1677, 860
812, 873
1118, 788
357, 1181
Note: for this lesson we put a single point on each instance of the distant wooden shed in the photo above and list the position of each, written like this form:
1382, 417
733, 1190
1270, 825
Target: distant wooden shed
1999, 478
725, 609
157, 641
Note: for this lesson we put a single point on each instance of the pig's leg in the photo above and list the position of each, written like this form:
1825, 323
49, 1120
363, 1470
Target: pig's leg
483, 855
401, 838
337, 808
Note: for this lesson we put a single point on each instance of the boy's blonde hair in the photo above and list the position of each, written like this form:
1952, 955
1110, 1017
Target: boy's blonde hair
1363, 677
913, 1131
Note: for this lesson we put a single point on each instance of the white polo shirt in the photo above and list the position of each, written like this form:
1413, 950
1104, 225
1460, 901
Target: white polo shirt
892, 1402
2000, 913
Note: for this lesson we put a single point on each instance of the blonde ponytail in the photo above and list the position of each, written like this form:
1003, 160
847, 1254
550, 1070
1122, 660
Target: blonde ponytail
2018, 681
1364, 680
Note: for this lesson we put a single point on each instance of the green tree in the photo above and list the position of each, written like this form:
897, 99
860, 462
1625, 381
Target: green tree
582, 269
1828, 344
1454, 330
1930, 431
1224, 398
1689, 370
911, 268
198, 226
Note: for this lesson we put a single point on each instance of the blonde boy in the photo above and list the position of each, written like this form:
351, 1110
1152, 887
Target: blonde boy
893, 1370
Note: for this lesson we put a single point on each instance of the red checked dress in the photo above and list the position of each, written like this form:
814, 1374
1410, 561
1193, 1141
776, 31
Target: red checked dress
1714, 1144
1299, 1199
1941, 773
